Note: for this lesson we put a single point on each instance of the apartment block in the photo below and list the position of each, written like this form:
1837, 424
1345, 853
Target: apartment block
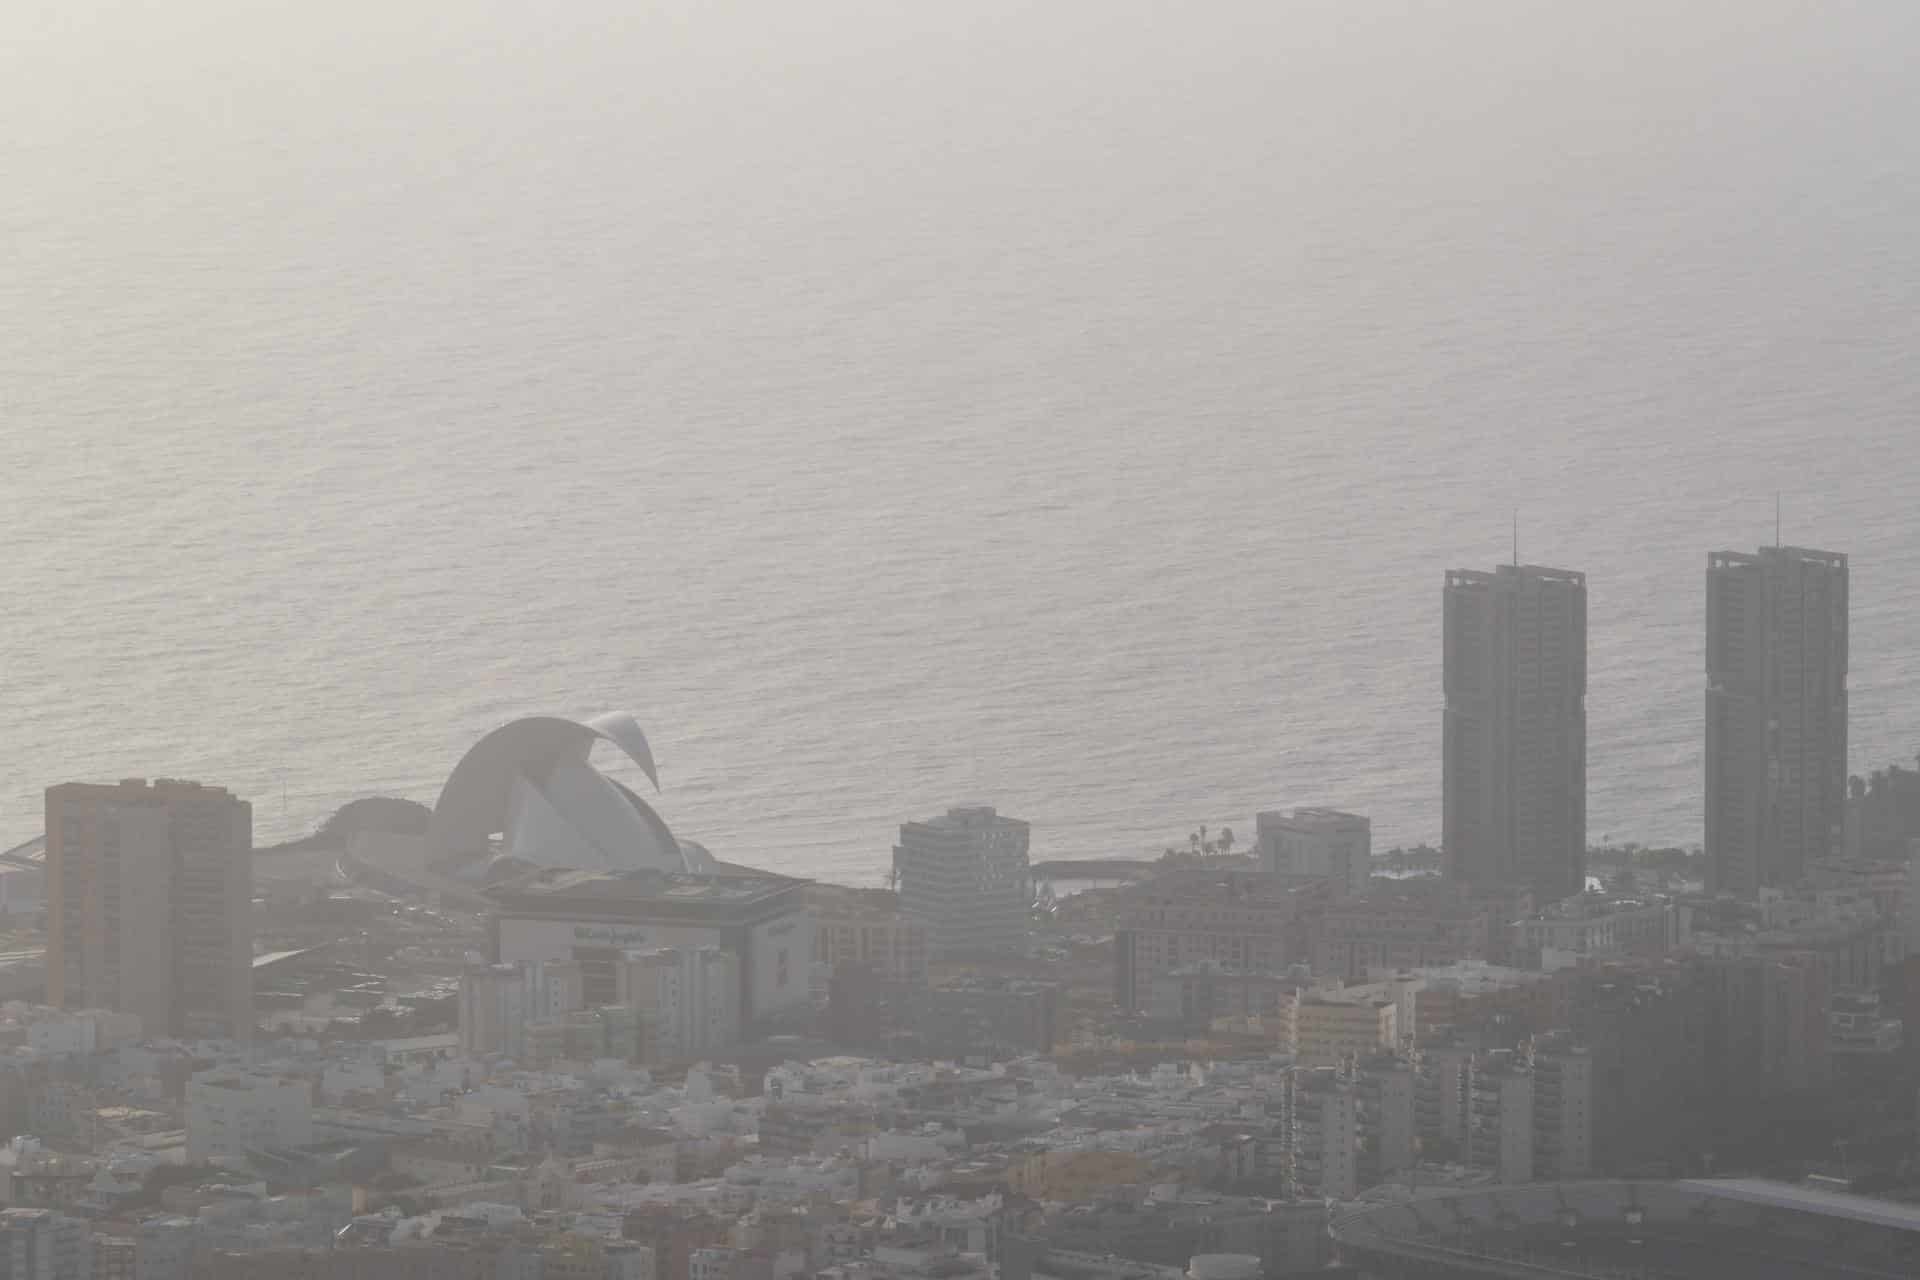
1247, 923
149, 889
1324, 844
1500, 1120
687, 998
1410, 926
868, 927
1329, 1030
966, 874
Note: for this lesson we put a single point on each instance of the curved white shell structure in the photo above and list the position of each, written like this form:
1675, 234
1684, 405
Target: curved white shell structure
530, 782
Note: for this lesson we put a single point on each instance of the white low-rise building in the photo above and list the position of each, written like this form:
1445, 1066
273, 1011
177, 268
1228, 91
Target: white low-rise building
232, 1112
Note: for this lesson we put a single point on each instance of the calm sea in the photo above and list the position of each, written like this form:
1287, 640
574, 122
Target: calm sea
1067, 406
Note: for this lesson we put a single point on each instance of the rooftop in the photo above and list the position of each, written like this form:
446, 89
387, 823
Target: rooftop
641, 886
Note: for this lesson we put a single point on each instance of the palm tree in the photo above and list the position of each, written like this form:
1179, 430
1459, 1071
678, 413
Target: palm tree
1226, 840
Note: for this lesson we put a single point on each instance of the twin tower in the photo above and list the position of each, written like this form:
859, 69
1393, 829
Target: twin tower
1515, 737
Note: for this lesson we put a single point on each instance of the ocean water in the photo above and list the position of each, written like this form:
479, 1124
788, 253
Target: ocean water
1067, 406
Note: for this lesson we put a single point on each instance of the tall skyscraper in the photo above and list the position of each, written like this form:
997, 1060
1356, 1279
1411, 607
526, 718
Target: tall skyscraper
1776, 714
148, 894
1515, 739
965, 873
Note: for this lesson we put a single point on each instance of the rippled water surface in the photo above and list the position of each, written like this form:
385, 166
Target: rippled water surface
1069, 406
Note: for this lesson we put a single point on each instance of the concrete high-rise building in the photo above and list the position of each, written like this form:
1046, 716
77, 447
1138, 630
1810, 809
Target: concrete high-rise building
1776, 781
39, 1244
1515, 741
1562, 1108
498, 1002
688, 999
1320, 1113
1500, 1131
1324, 843
1386, 1086
1441, 1096
148, 894
965, 873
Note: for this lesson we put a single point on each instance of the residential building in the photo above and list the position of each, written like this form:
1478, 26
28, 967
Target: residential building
1321, 1114
1769, 1030
688, 1000
498, 1002
1322, 843
1196, 998
1329, 1030
1776, 750
966, 874
113, 1257
230, 1113
1246, 922
578, 1256
1471, 996
1386, 1087
1563, 1108
148, 893
868, 927
1500, 1113
1442, 1075
1514, 794
40, 1244
993, 1018
163, 1248
1405, 925
1597, 924
1649, 1027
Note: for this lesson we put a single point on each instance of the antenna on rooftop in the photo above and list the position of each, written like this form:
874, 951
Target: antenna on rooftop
1776, 517
1516, 537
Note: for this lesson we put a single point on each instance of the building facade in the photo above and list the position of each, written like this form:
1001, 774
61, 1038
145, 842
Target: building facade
230, 1113
40, 1244
1515, 731
687, 999
499, 1002
966, 874
595, 918
149, 890
1323, 843
1331, 1031
1247, 923
1192, 1000
1563, 1106
1411, 927
1500, 1130
1776, 758
868, 927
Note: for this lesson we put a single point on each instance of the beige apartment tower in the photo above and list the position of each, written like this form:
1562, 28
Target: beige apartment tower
1514, 792
148, 893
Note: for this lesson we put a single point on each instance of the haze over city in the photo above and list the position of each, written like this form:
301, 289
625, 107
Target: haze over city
845, 640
